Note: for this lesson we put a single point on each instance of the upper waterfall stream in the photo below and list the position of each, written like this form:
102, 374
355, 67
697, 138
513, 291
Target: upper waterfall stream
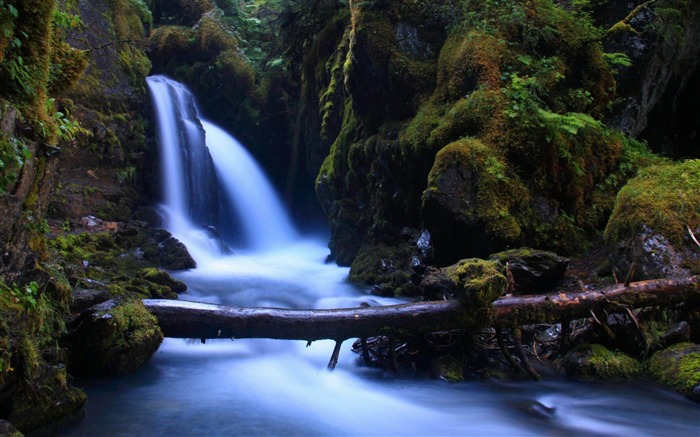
267, 387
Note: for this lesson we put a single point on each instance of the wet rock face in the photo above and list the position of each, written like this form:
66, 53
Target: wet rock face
656, 92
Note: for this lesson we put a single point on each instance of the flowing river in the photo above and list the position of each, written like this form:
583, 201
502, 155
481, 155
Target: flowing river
282, 388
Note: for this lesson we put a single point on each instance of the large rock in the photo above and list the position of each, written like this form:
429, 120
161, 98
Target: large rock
113, 338
652, 222
534, 271
678, 367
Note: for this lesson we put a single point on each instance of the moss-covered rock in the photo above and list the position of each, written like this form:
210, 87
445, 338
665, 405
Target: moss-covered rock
594, 361
161, 277
649, 227
478, 282
678, 367
469, 204
175, 256
115, 338
534, 271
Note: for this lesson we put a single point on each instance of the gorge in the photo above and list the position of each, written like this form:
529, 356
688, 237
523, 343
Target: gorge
508, 159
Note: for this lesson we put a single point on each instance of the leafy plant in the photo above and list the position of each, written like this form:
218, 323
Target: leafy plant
13, 154
24, 296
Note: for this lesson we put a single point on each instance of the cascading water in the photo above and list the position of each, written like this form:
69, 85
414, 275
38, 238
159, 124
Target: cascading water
266, 387
201, 192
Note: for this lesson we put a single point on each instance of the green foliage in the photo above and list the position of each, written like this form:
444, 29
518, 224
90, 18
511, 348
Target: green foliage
13, 154
18, 73
614, 60
143, 11
21, 297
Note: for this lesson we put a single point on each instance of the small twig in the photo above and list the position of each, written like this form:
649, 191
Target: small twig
628, 279
605, 326
510, 278
564, 335
692, 235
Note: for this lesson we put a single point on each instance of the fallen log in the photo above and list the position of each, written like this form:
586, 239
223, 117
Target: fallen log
182, 319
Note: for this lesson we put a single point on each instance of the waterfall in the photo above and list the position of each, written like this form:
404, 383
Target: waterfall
208, 176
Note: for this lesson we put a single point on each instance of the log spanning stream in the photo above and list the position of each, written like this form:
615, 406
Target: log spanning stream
247, 387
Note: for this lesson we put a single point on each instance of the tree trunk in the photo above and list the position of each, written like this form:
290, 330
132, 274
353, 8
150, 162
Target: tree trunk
181, 319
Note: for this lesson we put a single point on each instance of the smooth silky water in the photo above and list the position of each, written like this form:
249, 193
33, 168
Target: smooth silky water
236, 387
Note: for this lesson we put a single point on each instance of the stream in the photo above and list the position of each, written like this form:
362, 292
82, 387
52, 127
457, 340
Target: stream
251, 387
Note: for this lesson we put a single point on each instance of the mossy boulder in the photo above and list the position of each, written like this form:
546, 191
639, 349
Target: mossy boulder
594, 361
478, 282
175, 256
7, 429
114, 338
161, 277
678, 367
470, 201
534, 271
651, 224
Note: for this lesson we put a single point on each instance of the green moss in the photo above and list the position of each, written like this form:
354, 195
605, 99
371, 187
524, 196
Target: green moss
479, 282
497, 194
335, 163
116, 340
665, 198
678, 367
469, 60
596, 361
382, 264
449, 369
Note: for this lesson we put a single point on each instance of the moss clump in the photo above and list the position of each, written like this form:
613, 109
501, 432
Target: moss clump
449, 369
478, 282
678, 367
161, 277
383, 264
665, 198
594, 361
